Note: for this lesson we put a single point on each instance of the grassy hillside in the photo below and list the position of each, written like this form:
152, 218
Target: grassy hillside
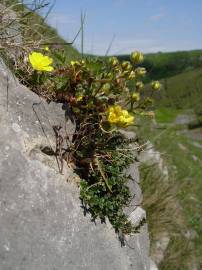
34, 29
182, 155
162, 65
183, 91
181, 95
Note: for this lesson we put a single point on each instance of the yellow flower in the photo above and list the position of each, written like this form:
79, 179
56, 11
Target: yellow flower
40, 62
112, 118
116, 109
125, 119
156, 85
135, 97
128, 121
46, 48
137, 57
119, 117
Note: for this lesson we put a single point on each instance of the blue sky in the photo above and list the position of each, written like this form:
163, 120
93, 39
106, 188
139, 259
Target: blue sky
146, 25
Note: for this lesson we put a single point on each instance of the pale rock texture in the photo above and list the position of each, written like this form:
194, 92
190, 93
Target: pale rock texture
151, 156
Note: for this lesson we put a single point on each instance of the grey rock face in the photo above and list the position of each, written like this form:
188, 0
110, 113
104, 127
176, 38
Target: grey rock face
42, 225
151, 156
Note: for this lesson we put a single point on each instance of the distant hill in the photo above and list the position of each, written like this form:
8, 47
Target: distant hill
182, 91
163, 65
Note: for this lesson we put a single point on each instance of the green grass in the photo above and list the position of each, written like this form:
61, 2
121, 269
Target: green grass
184, 161
180, 94
165, 218
165, 115
183, 91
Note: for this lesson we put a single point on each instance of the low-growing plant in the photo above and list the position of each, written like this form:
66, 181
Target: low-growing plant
102, 96
97, 95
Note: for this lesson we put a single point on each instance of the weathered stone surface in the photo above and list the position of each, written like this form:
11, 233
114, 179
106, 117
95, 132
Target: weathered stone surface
151, 156
153, 265
42, 225
137, 216
160, 245
184, 119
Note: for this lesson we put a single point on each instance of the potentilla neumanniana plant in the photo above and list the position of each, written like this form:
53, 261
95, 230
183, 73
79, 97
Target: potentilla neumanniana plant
103, 97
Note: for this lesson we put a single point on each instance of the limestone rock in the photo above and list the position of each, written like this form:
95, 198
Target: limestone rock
153, 265
137, 216
151, 156
160, 246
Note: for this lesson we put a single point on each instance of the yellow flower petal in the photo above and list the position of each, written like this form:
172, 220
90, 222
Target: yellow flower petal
48, 68
118, 116
40, 62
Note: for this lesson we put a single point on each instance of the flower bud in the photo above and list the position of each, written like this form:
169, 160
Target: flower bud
132, 75
148, 101
113, 61
106, 87
75, 63
110, 75
125, 73
141, 71
135, 97
46, 48
126, 65
82, 63
137, 57
139, 85
155, 85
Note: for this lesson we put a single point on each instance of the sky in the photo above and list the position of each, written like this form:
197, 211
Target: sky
128, 25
